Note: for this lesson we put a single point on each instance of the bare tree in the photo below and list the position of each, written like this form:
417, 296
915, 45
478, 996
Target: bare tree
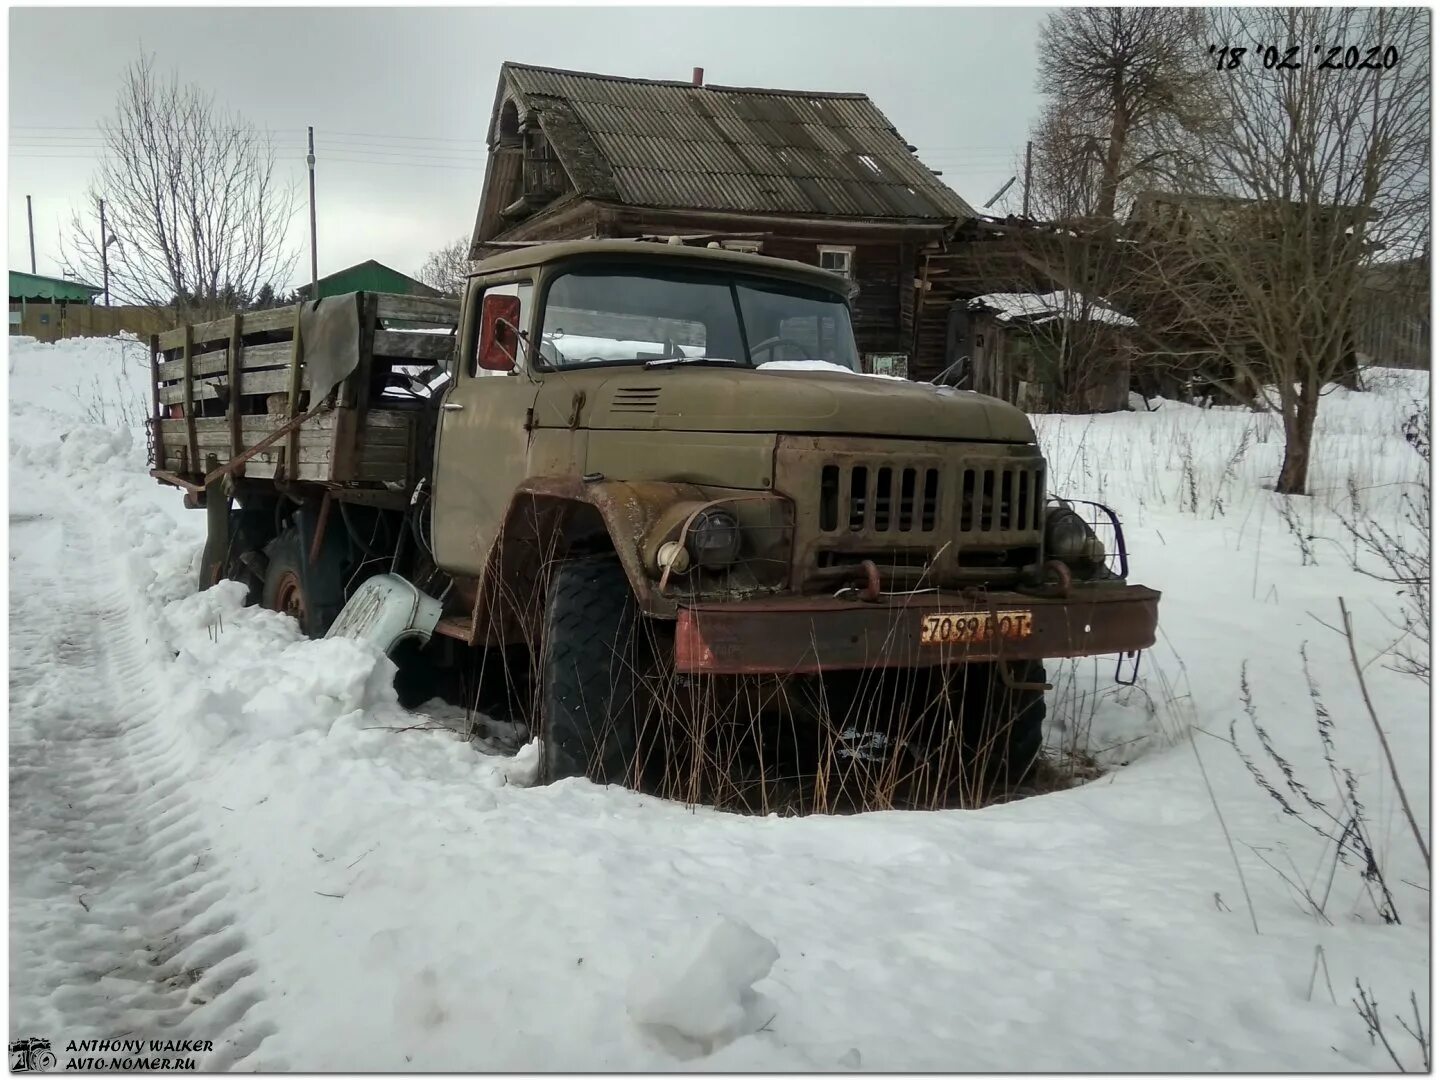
446, 268
197, 214
1312, 172
1126, 90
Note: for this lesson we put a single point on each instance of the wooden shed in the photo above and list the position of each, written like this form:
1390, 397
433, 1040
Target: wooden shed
818, 177
1046, 352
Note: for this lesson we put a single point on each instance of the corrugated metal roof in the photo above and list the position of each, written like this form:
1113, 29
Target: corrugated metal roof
39, 287
675, 145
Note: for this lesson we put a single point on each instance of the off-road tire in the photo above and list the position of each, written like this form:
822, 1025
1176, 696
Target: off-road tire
1004, 727
313, 593
592, 654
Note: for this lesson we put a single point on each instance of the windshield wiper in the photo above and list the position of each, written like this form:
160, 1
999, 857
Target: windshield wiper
667, 361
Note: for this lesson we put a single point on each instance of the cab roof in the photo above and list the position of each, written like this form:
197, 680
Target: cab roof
543, 254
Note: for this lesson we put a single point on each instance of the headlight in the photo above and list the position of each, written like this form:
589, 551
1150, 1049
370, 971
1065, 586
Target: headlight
1069, 539
713, 539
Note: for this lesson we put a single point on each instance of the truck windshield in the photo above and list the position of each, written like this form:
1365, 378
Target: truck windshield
610, 316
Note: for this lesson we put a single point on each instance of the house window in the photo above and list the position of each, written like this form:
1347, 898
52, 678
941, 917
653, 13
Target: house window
750, 247
838, 260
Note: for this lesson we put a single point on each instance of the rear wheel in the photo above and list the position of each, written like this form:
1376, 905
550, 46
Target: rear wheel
312, 594
250, 528
594, 658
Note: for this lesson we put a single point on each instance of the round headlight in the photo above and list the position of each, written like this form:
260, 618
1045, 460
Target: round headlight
1067, 537
714, 539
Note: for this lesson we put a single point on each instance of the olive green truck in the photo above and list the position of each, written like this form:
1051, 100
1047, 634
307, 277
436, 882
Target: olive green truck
624, 465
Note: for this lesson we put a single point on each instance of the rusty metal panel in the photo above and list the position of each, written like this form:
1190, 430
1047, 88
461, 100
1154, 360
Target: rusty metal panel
792, 635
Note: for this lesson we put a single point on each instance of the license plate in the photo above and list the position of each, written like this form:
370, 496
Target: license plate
967, 627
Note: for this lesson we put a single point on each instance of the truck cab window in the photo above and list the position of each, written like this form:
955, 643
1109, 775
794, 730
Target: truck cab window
629, 316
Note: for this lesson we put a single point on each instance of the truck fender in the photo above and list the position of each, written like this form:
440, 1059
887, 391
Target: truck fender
557, 518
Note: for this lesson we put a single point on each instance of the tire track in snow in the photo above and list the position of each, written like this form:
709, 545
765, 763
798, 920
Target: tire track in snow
120, 923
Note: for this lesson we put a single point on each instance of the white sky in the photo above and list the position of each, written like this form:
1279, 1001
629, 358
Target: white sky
400, 98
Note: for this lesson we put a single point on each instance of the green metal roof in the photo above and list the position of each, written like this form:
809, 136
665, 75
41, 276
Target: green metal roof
369, 276
38, 287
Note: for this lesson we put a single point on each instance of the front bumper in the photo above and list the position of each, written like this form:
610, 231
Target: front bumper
790, 635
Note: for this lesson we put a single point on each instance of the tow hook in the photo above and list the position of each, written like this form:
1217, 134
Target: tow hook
1055, 584
1008, 678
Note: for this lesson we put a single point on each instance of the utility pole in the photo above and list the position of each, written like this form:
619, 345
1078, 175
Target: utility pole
1025, 202
104, 254
314, 265
30, 217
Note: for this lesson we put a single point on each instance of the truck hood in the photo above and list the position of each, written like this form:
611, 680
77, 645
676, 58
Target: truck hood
788, 402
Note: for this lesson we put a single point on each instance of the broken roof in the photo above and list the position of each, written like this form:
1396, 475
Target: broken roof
1043, 307
649, 143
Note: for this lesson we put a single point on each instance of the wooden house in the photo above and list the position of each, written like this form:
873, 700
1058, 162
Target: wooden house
822, 178
1393, 314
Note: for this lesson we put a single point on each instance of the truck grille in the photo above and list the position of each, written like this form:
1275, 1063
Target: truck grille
984, 503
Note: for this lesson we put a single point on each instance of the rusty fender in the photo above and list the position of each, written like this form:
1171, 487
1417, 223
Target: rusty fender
790, 635
636, 515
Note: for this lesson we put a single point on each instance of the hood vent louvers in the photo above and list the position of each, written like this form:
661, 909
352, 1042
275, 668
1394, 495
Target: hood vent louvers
635, 399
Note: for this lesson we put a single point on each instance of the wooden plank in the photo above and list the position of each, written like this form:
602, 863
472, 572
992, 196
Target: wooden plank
189, 402
383, 463
369, 306
346, 426
388, 425
273, 381
408, 345
233, 406
269, 354
438, 309
297, 354
157, 416
219, 330
350, 425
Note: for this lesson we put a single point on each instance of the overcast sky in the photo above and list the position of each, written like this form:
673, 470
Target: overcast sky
400, 98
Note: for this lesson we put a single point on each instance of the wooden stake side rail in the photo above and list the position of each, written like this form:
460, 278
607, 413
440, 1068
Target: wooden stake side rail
392, 306
385, 456
220, 388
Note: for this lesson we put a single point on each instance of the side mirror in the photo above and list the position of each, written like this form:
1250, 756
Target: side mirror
499, 332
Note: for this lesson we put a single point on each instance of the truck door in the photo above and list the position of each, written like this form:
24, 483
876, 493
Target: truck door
482, 442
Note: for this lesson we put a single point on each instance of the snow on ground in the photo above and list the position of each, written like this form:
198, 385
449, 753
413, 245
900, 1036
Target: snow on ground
219, 830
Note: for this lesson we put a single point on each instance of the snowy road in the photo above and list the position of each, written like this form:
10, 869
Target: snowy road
221, 831
107, 846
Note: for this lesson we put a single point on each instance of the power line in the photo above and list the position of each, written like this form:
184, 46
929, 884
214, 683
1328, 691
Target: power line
407, 164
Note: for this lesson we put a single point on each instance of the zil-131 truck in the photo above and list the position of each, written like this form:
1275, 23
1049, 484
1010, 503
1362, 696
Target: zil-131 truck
633, 477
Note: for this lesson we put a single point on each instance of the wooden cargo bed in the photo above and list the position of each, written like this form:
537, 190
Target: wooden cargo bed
224, 388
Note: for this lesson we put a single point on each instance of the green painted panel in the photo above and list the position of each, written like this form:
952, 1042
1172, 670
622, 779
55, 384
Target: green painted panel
38, 287
370, 276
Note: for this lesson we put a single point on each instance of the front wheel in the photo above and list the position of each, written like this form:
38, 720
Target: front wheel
595, 656
1004, 724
